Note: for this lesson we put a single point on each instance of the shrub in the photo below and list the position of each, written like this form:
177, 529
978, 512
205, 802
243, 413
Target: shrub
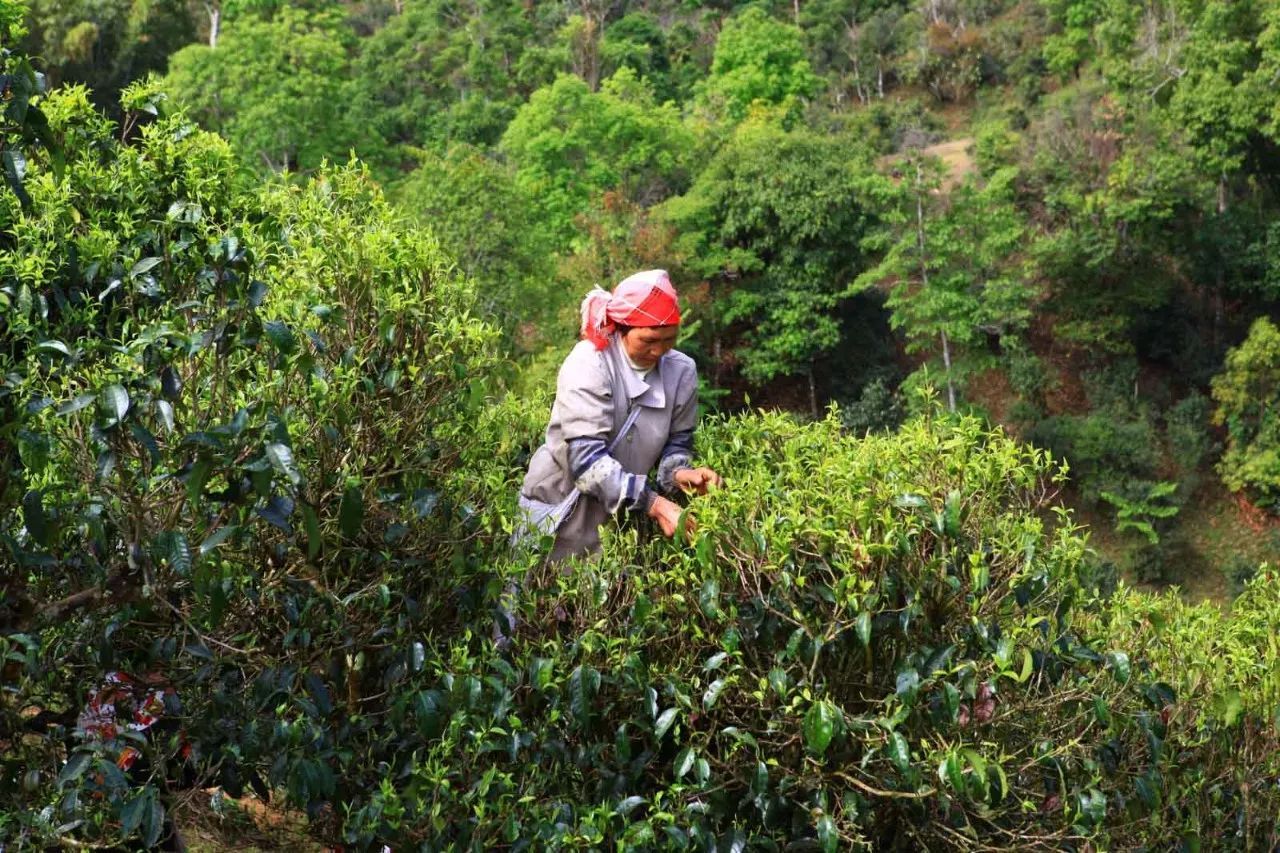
869, 642
1190, 441
227, 416
1248, 396
878, 407
1108, 450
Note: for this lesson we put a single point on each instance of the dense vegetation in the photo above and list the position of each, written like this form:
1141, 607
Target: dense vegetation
265, 404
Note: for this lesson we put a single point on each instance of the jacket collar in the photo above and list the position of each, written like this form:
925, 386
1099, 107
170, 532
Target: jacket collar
651, 391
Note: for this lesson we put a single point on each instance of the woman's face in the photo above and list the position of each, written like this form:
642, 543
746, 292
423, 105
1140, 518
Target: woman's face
644, 345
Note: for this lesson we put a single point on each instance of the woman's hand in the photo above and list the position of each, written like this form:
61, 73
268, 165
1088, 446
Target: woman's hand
667, 514
697, 479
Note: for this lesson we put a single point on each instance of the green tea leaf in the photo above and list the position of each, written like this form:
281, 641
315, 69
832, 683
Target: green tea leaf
311, 524
196, 479
712, 694
115, 403
863, 627
281, 458
684, 762
664, 723
709, 598
827, 835
33, 517
540, 670
133, 812
898, 751
219, 536
80, 402
583, 683
1229, 707
1119, 664
144, 266
820, 725
629, 805
281, 336
154, 824
351, 512
74, 768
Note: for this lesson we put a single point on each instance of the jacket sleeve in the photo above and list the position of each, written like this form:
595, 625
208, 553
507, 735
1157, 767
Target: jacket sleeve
584, 396
677, 454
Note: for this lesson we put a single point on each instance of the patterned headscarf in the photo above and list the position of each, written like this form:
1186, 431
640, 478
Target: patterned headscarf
644, 299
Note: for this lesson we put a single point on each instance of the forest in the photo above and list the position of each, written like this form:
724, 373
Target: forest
982, 295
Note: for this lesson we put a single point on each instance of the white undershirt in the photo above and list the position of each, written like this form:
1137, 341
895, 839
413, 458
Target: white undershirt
640, 372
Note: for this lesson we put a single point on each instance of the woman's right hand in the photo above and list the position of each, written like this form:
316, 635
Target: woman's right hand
667, 514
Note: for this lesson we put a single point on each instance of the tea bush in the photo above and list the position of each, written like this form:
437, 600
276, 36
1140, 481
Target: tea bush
890, 642
227, 415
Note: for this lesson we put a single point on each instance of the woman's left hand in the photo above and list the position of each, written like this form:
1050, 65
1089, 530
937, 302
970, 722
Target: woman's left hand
697, 480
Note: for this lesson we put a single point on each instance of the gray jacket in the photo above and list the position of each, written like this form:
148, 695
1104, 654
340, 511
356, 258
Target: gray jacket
594, 393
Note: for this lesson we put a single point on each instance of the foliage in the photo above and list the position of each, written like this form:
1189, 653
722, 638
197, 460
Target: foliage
570, 144
1109, 450
276, 89
616, 237
1226, 661
955, 276
486, 220
880, 642
250, 451
638, 41
1247, 393
1191, 443
425, 80
1118, 193
762, 60
1143, 514
774, 221
877, 408
228, 414
106, 44
1072, 44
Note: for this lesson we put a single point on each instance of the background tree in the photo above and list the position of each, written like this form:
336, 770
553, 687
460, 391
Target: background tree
638, 41
277, 88
105, 44
1248, 396
760, 59
774, 222
953, 269
435, 74
569, 144
484, 219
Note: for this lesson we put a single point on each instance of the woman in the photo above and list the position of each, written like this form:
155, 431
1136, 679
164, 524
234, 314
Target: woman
626, 403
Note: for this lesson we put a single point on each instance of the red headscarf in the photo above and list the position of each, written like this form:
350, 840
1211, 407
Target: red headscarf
644, 299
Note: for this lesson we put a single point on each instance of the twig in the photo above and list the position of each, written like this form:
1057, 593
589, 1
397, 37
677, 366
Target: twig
877, 792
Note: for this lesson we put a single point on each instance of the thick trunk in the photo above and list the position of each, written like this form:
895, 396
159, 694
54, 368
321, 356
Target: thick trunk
857, 76
215, 20
946, 361
924, 282
1220, 280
